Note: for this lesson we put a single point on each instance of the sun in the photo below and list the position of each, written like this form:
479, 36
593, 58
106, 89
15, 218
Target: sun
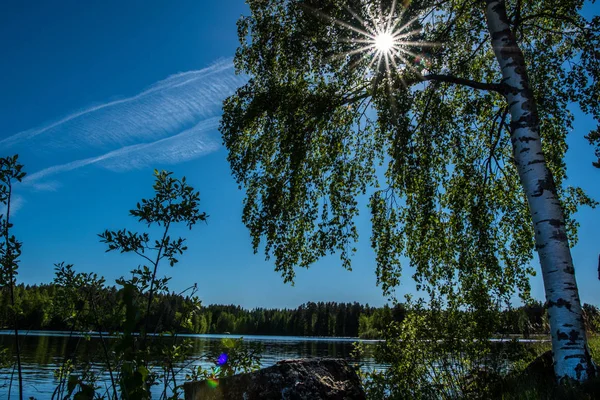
387, 40
384, 42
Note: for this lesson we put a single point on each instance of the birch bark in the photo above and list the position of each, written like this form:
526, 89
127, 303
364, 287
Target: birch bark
569, 342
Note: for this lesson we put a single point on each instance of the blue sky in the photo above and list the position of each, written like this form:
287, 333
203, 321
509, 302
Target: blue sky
97, 94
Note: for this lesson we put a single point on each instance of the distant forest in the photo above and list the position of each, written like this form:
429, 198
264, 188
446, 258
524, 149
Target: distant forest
44, 307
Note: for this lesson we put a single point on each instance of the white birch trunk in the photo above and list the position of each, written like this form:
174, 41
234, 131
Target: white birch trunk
569, 343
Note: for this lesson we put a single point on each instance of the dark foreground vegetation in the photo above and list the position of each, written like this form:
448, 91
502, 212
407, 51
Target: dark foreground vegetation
458, 369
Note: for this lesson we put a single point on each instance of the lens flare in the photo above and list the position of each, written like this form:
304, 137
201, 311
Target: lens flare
222, 359
384, 42
212, 382
383, 37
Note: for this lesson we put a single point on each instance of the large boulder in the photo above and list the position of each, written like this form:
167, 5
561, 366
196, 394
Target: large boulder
308, 379
541, 369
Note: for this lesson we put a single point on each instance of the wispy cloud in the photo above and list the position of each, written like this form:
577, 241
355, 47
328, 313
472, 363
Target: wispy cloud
16, 204
167, 105
187, 145
169, 122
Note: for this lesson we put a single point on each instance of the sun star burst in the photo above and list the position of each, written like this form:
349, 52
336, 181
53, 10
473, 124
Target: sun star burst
384, 42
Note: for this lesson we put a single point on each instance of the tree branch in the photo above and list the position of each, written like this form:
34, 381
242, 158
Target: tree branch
144, 256
495, 87
517, 18
557, 17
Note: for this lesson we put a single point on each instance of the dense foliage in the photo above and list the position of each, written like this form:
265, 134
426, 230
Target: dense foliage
40, 309
457, 137
319, 124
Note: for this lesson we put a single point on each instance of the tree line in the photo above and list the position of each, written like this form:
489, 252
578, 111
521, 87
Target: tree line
41, 307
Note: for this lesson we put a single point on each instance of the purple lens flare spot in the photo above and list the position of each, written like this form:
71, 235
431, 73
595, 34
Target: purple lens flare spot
222, 359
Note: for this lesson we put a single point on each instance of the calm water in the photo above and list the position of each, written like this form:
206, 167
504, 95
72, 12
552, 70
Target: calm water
42, 352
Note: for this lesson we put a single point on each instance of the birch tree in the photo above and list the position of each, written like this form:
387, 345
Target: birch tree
451, 116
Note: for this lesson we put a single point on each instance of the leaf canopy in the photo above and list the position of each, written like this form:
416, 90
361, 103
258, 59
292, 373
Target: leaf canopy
426, 135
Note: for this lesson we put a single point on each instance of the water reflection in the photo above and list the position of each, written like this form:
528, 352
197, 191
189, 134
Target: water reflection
43, 352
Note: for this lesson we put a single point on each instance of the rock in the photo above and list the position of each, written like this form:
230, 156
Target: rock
308, 379
542, 368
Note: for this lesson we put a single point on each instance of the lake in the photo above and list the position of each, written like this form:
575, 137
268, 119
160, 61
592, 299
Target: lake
42, 352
